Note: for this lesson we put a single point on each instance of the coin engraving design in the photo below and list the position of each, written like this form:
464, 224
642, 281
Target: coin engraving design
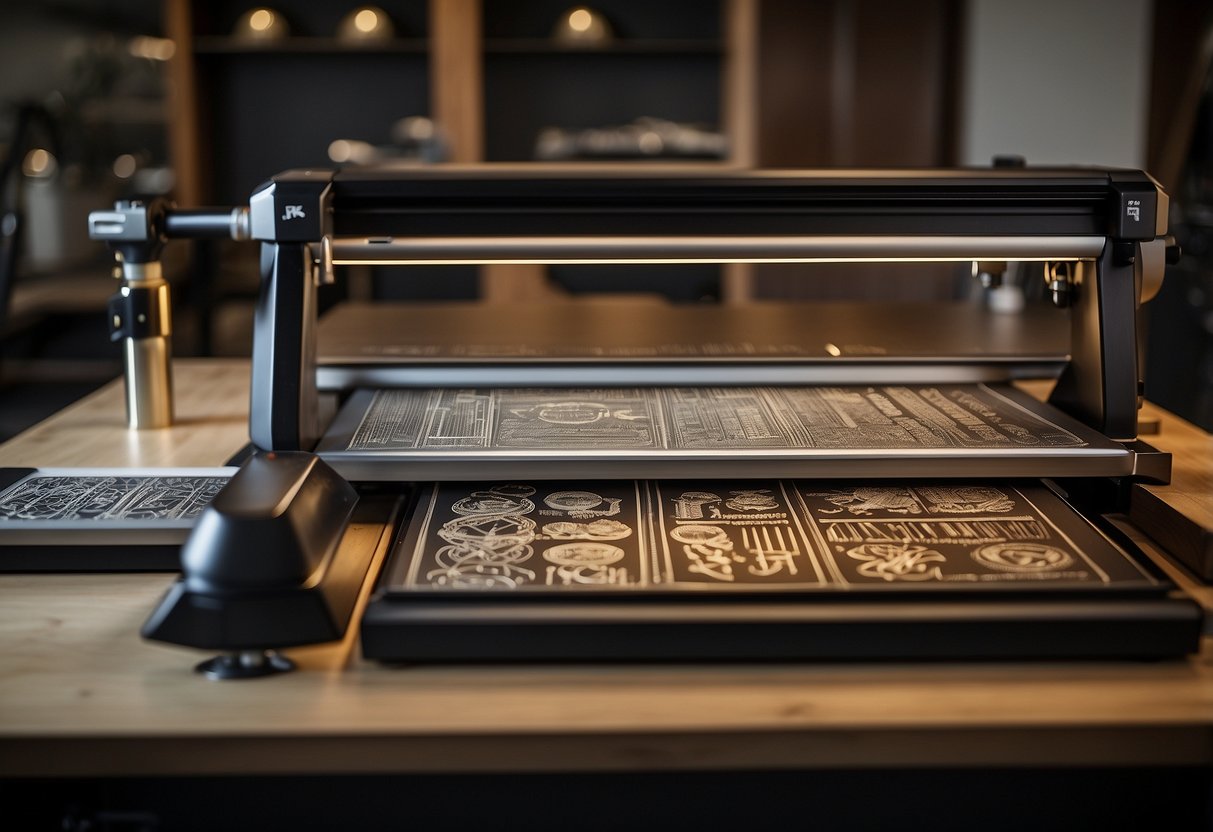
584, 554
1022, 556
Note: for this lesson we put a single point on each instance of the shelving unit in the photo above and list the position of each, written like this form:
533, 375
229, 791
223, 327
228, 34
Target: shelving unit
486, 70
646, 46
227, 45
664, 61
790, 83
247, 109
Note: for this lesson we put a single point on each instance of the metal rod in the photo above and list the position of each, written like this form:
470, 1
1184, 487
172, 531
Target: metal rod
206, 223
774, 249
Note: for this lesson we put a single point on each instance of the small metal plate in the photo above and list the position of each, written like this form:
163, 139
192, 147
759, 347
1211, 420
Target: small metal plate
100, 519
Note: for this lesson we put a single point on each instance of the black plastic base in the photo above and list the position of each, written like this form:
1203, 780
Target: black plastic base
249, 664
265, 565
85, 558
444, 630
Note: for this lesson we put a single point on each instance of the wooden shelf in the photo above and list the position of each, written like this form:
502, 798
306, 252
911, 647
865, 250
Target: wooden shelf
671, 164
479, 69
224, 45
645, 46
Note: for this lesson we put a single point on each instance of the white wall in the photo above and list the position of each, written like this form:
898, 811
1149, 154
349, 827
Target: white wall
1056, 81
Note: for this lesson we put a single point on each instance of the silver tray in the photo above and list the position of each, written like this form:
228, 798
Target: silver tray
859, 431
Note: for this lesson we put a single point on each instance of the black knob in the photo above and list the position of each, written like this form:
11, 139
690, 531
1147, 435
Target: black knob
1174, 251
1009, 161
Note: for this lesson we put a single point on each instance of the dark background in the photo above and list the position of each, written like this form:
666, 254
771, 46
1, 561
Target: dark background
833, 82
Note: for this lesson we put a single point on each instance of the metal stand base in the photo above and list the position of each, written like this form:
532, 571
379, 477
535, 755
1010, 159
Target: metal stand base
245, 664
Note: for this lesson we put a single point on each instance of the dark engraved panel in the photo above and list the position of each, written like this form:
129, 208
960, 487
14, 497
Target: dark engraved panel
731, 534
503, 536
754, 535
956, 533
920, 417
108, 498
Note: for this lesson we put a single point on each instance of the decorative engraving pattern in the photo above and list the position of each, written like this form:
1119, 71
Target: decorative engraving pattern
594, 530
898, 561
1023, 557
108, 498
478, 537
805, 536
705, 418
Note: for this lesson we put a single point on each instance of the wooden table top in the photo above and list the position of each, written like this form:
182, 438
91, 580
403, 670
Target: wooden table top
81, 694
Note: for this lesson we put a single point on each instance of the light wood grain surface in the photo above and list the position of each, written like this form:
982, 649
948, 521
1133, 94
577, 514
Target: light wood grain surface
1191, 488
1190, 493
1178, 515
81, 694
212, 424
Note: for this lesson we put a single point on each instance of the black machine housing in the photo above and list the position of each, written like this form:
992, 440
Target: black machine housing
1111, 224
1108, 225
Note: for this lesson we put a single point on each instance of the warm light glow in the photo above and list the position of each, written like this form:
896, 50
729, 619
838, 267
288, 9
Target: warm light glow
580, 20
124, 166
153, 49
158, 180
650, 143
833, 350
260, 20
366, 20
340, 151
38, 162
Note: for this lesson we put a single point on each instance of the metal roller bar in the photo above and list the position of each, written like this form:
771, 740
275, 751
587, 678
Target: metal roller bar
207, 223
780, 249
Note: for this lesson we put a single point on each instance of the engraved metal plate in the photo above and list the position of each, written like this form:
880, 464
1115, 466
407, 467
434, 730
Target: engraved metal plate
855, 431
776, 535
106, 506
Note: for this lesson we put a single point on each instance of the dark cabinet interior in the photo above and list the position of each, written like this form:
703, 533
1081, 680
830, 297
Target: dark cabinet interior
268, 106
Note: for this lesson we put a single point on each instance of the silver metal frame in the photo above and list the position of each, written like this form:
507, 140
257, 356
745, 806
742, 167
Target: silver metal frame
347, 251
1100, 457
384, 373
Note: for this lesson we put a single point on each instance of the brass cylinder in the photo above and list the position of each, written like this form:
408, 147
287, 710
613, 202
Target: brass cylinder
148, 359
149, 383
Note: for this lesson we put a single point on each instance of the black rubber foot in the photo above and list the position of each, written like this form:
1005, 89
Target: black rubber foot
247, 664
